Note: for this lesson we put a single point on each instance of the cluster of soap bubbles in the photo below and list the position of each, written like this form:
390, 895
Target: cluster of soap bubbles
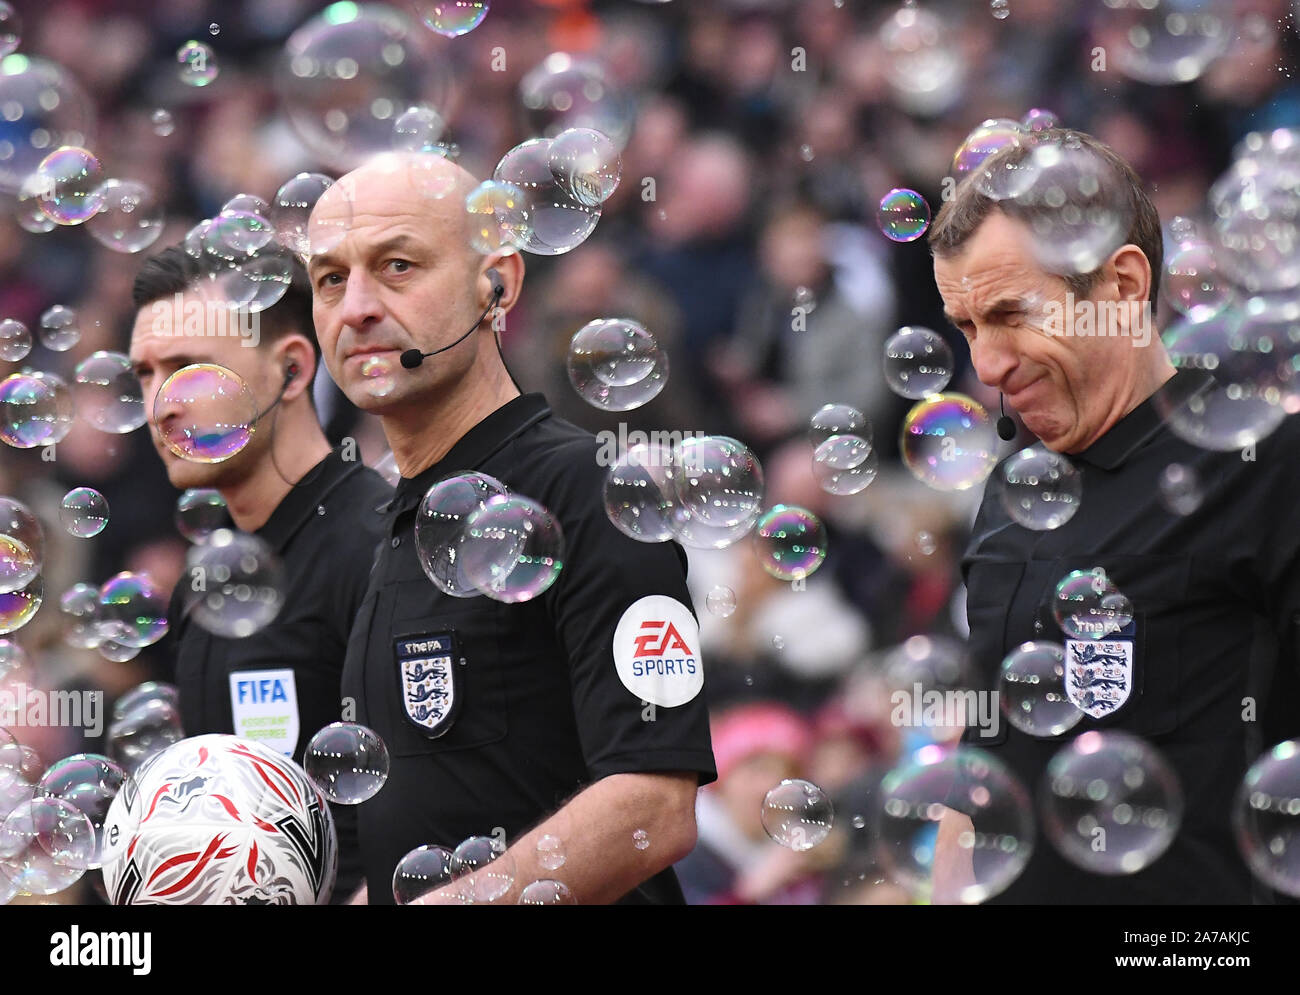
119, 618
705, 491
474, 536
616, 364
1086, 604
844, 460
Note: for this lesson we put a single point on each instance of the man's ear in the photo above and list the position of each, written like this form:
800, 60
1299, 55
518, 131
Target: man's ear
510, 272
1132, 272
297, 360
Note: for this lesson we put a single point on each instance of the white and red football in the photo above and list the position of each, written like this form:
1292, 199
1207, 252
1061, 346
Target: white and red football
219, 820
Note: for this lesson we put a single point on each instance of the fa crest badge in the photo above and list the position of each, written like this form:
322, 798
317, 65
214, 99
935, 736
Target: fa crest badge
1098, 674
426, 667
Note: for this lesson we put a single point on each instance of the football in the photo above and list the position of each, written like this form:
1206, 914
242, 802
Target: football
219, 820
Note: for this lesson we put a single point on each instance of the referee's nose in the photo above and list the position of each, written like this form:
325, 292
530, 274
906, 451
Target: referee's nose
361, 306
994, 357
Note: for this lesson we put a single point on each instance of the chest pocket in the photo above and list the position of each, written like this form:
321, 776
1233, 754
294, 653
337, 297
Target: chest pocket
436, 628
1157, 587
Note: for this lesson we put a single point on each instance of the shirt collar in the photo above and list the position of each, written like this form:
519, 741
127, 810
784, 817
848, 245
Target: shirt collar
475, 446
1128, 434
300, 504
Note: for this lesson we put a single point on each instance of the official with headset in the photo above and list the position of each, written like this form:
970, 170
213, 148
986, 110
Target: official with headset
563, 723
314, 509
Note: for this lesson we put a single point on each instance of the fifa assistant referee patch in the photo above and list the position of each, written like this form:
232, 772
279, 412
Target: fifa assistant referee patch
657, 651
1099, 672
426, 671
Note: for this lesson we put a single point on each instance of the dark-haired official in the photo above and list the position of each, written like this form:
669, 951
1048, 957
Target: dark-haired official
1206, 670
315, 509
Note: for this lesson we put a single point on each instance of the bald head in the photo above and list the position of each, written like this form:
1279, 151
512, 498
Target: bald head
393, 268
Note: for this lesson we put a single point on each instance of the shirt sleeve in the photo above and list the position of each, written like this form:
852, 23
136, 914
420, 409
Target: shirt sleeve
638, 705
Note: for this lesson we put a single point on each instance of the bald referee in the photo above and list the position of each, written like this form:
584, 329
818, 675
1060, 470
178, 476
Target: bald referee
554, 724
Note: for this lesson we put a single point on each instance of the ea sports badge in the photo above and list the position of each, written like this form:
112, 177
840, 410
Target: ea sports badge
657, 651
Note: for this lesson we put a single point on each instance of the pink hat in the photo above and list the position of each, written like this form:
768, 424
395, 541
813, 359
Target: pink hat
742, 732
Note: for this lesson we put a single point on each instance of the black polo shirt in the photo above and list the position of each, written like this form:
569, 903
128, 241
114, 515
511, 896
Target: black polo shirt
535, 709
325, 532
1215, 595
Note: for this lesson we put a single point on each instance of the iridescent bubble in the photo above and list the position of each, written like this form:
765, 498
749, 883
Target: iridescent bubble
1165, 42
14, 789
1040, 489
845, 464
144, 731
550, 852
348, 762
60, 328
200, 511
1266, 818
380, 376
903, 215
129, 219
566, 91
837, 419
1088, 605
44, 108
1257, 213
1180, 489
247, 203
616, 364
1245, 401
587, 165
440, 528
1192, 283
918, 362
84, 512
989, 137
1001, 9
35, 410
451, 18
797, 814
89, 782
1111, 786
11, 30
162, 121
639, 495
27, 210
349, 72
721, 601
557, 221
790, 542
717, 485
46, 845
141, 693
498, 217
547, 892
490, 863
237, 585
948, 442
235, 234
22, 545
938, 781
132, 610
513, 549
197, 64
291, 215
1031, 690
107, 393
79, 607
419, 129
68, 182
932, 663
15, 340
205, 413
1039, 119
420, 873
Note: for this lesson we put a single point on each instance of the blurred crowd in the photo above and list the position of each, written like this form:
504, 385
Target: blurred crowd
770, 129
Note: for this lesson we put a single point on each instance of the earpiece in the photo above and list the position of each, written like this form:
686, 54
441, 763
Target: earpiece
494, 278
290, 372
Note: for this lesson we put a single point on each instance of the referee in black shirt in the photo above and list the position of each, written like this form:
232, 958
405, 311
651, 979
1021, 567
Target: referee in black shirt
315, 510
553, 726
1215, 593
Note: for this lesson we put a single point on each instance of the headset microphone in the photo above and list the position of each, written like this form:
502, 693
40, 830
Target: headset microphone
414, 357
290, 372
1006, 427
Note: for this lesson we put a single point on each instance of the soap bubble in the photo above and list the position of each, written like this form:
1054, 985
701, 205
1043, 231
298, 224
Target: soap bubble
440, 528
107, 393
547, 892
348, 762
144, 731
721, 601
68, 182
200, 511
60, 328
132, 610
587, 165
1031, 690
948, 442
557, 221
89, 782
1266, 817
837, 419
84, 512
490, 863
797, 814
790, 542
498, 217
1114, 787
717, 489
1165, 42
567, 91
616, 364
918, 362
129, 219
18, 606
237, 585
35, 410
80, 606
1088, 605
903, 215
1040, 489
1180, 489
22, 545
290, 215
845, 464
198, 64
451, 18
15, 340
44, 108
420, 873
639, 497
513, 548
205, 413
